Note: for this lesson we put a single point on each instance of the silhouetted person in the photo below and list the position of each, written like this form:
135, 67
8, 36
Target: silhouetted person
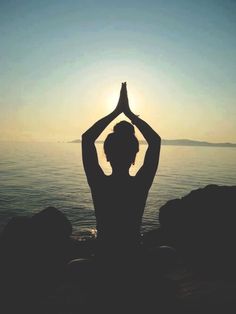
119, 199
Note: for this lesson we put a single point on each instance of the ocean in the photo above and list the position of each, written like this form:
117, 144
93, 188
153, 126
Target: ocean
36, 175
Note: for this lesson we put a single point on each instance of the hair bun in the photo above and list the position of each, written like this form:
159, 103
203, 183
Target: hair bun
124, 128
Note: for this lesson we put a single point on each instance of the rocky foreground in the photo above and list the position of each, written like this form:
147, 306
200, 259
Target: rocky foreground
193, 272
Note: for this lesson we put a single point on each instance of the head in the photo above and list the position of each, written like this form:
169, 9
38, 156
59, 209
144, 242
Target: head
121, 146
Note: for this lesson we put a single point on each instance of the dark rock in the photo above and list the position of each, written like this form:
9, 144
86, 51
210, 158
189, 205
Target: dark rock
34, 254
201, 226
51, 223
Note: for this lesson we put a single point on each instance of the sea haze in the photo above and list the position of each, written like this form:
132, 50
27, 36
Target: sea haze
36, 175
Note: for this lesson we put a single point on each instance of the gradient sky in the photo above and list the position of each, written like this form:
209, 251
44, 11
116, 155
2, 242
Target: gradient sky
62, 62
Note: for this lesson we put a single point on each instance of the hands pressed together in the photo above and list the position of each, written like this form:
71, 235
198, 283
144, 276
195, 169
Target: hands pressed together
123, 103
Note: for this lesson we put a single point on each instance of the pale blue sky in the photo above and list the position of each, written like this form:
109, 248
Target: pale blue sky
61, 63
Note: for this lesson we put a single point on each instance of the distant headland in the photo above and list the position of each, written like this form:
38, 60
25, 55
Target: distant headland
180, 142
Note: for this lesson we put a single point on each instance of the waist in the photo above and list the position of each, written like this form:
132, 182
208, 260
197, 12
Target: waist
125, 238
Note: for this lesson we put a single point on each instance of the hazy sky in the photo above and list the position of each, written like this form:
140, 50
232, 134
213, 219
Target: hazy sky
62, 62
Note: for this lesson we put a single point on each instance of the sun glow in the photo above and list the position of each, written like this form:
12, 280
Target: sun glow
113, 97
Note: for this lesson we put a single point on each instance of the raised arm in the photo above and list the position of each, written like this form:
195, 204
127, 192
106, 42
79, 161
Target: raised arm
151, 160
89, 153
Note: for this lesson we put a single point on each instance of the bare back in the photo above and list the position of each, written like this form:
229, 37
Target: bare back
119, 205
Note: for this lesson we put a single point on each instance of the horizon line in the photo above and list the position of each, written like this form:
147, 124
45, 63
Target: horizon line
164, 142
185, 142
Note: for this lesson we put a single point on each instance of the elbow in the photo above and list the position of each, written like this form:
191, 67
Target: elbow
155, 143
158, 138
158, 141
83, 137
86, 138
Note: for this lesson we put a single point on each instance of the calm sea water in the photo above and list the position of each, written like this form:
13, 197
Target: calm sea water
36, 175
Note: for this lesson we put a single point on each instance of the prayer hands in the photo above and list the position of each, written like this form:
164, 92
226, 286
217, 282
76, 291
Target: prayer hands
123, 103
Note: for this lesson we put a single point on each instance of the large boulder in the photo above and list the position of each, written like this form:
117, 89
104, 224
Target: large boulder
201, 226
34, 253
